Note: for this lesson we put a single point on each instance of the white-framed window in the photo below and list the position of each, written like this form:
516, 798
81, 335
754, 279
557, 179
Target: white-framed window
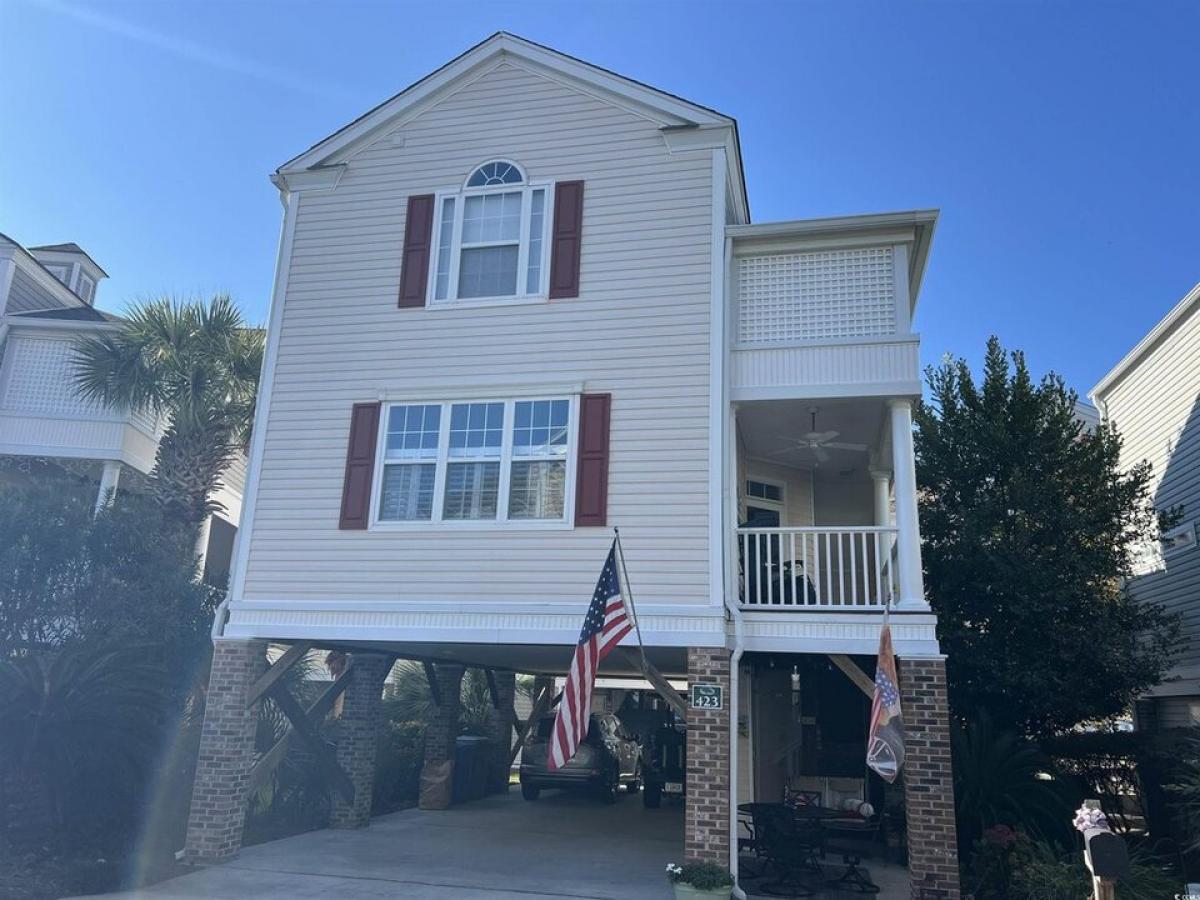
87, 288
61, 272
1178, 539
476, 461
491, 237
768, 491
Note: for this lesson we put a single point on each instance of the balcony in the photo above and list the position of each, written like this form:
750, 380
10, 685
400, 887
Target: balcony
41, 414
816, 568
823, 308
824, 515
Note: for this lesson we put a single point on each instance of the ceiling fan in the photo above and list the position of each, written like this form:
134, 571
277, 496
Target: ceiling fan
819, 442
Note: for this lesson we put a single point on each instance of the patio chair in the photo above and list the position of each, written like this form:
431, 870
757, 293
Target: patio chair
846, 839
791, 848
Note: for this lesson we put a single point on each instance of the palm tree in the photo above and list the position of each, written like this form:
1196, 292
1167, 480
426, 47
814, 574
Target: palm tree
196, 366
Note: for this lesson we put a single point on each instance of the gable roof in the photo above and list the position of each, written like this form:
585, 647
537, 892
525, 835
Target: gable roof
1190, 303
669, 110
70, 247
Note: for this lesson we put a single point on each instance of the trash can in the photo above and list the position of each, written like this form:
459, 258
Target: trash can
471, 757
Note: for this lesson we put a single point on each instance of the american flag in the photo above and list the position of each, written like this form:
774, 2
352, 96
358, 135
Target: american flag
603, 627
885, 745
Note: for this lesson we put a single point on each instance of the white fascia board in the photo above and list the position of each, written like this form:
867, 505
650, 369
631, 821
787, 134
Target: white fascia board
321, 178
669, 110
16, 321
1160, 331
868, 221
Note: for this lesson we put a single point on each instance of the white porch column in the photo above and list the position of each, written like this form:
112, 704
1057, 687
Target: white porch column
908, 553
109, 476
883, 497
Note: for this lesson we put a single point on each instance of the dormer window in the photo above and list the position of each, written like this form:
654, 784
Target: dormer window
62, 273
490, 238
87, 288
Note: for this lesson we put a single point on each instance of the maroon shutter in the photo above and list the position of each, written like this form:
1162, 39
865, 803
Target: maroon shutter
591, 478
565, 239
360, 466
418, 240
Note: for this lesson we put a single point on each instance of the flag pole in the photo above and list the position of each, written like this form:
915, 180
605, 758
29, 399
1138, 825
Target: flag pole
627, 595
649, 672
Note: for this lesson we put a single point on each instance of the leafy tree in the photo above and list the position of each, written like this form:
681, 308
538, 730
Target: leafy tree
196, 365
1029, 526
126, 575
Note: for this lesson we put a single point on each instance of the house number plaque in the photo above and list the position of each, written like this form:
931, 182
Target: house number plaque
708, 696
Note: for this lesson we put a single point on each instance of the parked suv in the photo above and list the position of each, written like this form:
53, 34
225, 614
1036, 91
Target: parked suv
608, 758
664, 763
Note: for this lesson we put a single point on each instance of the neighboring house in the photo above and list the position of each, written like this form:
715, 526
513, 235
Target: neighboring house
47, 302
1152, 396
522, 302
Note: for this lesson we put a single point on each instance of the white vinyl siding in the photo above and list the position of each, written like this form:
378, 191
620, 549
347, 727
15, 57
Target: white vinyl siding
1156, 408
25, 295
639, 329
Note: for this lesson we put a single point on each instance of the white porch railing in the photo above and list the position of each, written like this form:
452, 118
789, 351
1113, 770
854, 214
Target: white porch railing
821, 567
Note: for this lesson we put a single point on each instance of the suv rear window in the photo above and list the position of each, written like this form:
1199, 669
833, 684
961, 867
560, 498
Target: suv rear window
595, 733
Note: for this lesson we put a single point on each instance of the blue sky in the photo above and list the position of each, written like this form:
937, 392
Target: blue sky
1058, 139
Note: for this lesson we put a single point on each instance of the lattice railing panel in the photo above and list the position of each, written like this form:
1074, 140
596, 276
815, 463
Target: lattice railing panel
40, 381
816, 295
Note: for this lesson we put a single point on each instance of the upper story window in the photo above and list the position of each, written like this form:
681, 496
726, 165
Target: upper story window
490, 238
87, 288
62, 273
475, 461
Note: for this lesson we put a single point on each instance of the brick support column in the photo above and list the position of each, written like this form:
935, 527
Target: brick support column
358, 737
928, 781
706, 813
500, 731
218, 810
437, 774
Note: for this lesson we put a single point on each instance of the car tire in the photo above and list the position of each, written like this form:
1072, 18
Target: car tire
610, 788
530, 792
652, 796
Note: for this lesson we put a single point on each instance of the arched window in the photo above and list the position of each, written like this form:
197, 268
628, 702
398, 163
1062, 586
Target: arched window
496, 172
490, 237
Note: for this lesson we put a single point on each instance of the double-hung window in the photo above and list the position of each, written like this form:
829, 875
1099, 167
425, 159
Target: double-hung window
490, 238
477, 461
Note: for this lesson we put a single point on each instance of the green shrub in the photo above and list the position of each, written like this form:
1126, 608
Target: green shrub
398, 766
702, 876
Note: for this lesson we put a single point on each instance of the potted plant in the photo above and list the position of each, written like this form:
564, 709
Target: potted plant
695, 880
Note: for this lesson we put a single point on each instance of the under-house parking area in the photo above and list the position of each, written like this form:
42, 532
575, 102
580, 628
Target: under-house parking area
501, 848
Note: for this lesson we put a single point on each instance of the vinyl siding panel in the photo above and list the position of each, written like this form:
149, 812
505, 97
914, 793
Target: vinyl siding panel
639, 330
1156, 407
25, 294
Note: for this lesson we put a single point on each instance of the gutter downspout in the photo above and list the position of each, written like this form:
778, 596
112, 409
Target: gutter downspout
735, 661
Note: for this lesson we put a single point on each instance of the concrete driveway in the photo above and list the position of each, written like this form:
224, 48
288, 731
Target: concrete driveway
501, 848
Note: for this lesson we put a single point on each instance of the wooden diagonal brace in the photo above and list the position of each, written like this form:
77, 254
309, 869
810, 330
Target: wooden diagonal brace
308, 733
431, 677
267, 680
540, 705
658, 680
317, 710
854, 673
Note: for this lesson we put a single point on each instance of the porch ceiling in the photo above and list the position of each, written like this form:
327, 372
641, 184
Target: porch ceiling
769, 429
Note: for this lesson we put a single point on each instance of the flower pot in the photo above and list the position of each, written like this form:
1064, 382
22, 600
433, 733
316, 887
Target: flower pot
687, 892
